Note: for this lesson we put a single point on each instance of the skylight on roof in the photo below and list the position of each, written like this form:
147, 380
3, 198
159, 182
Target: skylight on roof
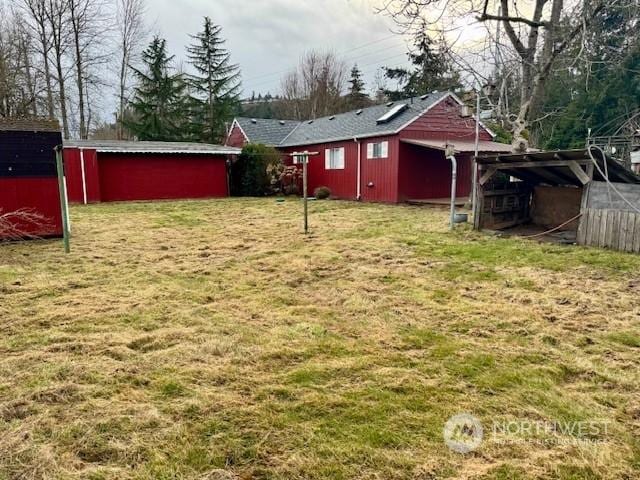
393, 113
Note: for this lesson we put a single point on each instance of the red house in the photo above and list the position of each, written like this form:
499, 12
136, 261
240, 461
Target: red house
385, 153
110, 171
28, 176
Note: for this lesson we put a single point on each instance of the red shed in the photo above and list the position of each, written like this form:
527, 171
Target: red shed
28, 176
109, 171
385, 153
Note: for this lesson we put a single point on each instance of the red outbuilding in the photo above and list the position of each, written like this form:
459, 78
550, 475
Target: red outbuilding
111, 171
29, 191
385, 153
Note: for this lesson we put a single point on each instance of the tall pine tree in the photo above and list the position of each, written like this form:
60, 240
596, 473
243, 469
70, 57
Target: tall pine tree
431, 69
357, 98
158, 106
215, 86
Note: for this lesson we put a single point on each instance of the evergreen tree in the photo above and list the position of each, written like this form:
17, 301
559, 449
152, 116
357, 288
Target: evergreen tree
215, 85
431, 69
357, 98
158, 106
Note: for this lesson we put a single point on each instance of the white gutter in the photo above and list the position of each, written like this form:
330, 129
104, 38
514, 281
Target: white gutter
84, 178
359, 175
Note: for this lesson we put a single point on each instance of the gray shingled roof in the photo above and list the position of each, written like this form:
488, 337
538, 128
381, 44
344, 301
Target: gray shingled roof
266, 131
350, 125
28, 124
116, 146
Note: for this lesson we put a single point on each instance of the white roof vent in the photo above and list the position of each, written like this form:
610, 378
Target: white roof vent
332, 117
393, 113
281, 122
424, 97
359, 112
390, 104
253, 120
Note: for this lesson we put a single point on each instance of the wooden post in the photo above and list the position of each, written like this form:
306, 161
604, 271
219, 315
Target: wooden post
305, 193
304, 156
63, 199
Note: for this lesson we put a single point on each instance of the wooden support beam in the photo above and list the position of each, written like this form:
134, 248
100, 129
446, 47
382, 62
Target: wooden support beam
486, 176
579, 172
536, 164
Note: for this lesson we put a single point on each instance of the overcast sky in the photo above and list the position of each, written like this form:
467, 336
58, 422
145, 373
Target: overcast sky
267, 37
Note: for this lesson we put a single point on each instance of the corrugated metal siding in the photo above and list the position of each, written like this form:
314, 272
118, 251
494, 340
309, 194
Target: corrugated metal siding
73, 174
426, 173
159, 177
443, 121
342, 183
236, 138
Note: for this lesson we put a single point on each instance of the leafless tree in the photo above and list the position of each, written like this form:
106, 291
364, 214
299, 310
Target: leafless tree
37, 22
315, 87
86, 21
57, 15
131, 34
538, 30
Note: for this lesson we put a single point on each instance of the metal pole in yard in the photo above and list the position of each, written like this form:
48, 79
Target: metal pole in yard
450, 153
474, 168
63, 199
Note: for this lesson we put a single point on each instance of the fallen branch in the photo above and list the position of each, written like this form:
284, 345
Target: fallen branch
18, 224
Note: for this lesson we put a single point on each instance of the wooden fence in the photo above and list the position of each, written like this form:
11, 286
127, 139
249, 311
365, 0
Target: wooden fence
607, 221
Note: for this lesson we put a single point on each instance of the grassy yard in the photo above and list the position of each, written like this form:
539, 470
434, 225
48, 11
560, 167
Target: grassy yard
212, 340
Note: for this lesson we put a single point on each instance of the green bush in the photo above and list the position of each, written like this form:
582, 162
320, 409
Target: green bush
256, 171
322, 193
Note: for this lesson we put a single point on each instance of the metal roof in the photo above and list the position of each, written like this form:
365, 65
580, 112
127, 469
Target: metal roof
462, 146
117, 146
28, 124
266, 130
365, 124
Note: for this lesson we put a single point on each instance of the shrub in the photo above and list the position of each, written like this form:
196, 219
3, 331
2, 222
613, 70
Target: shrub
322, 193
256, 171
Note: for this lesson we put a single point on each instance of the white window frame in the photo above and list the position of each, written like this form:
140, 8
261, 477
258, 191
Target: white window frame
377, 150
334, 158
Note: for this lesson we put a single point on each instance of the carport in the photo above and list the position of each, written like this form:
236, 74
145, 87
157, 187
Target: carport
425, 172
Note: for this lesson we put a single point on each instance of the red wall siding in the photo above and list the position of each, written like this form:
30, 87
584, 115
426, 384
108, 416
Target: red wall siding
380, 175
73, 175
38, 194
154, 177
426, 173
236, 138
443, 121
342, 183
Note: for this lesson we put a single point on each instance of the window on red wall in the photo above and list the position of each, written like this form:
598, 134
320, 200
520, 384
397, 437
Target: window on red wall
378, 150
334, 159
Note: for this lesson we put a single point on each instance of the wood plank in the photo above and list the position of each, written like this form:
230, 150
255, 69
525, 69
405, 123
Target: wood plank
535, 164
594, 231
636, 236
582, 227
622, 239
486, 176
614, 230
631, 230
577, 170
605, 221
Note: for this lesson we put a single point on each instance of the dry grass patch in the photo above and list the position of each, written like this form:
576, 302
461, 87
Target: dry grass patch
212, 340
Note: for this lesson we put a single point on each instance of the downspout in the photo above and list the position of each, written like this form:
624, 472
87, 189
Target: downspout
359, 175
454, 181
